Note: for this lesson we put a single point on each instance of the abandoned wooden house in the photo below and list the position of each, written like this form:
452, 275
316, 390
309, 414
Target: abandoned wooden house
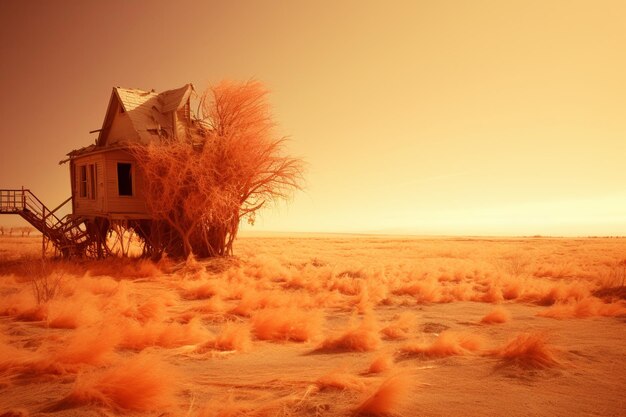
106, 186
104, 179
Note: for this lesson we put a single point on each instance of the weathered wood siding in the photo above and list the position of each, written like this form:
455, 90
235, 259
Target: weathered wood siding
121, 127
182, 121
93, 204
142, 109
133, 116
120, 205
107, 201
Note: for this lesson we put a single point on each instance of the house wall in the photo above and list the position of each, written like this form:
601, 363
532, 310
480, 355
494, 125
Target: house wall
121, 127
182, 119
94, 202
118, 206
132, 116
107, 201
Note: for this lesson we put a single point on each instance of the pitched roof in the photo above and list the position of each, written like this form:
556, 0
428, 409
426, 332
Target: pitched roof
132, 98
165, 102
148, 111
172, 100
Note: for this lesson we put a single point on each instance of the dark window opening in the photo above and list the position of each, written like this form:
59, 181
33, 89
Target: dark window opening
82, 180
124, 179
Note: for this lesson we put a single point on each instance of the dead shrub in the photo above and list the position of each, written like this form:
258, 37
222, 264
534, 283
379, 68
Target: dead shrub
45, 282
199, 208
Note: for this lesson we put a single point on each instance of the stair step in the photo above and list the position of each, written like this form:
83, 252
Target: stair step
64, 233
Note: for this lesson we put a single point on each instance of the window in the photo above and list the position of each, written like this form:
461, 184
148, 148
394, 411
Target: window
82, 180
87, 181
124, 179
92, 181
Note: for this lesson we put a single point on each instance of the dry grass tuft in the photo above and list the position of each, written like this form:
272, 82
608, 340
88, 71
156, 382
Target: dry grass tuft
202, 290
587, 307
611, 294
340, 380
386, 399
527, 350
446, 344
361, 338
88, 346
287, 324
234, 336
381, 363
142, 383
168, 335
400, 328
496, 316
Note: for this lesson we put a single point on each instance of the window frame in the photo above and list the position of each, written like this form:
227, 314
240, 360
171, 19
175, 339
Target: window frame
93, 181
82, 181
131, 179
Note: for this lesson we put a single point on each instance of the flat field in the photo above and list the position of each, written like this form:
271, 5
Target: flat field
320, 325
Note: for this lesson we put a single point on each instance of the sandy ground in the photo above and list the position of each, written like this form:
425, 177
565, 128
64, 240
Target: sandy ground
320, 325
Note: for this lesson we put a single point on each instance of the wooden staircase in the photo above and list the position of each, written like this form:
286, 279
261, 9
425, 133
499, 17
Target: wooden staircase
65, 233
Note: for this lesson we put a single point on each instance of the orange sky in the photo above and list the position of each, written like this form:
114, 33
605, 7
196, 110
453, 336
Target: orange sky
423, 117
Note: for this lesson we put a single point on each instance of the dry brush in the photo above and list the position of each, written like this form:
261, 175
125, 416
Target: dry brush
198, 190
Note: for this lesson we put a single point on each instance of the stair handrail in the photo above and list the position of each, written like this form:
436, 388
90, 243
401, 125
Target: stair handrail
9, 198
45, 212
64, 232
59, 221
61, 205
24, 199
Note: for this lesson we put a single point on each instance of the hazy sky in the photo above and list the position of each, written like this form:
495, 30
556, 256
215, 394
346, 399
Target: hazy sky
427, 117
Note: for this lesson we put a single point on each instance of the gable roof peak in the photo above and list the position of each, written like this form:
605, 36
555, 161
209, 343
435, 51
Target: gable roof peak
150, 113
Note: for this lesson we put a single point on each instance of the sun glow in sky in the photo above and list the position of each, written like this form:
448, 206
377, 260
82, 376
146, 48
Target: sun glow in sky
421, 117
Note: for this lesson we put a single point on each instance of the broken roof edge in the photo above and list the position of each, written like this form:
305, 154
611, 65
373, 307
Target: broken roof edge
179, 99
135, 91
180, 96
194, 140
92, 150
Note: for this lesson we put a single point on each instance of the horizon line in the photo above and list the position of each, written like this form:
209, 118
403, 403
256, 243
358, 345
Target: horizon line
417, 235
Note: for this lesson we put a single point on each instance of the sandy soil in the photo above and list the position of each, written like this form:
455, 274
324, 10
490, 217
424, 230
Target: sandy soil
319, 325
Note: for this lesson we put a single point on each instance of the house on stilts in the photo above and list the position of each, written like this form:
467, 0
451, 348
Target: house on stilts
106, 186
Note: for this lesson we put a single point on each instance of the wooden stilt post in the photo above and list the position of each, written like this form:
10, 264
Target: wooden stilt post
43, 234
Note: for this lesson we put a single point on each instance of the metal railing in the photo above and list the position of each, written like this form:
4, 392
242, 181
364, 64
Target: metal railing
24, 202
11, 201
